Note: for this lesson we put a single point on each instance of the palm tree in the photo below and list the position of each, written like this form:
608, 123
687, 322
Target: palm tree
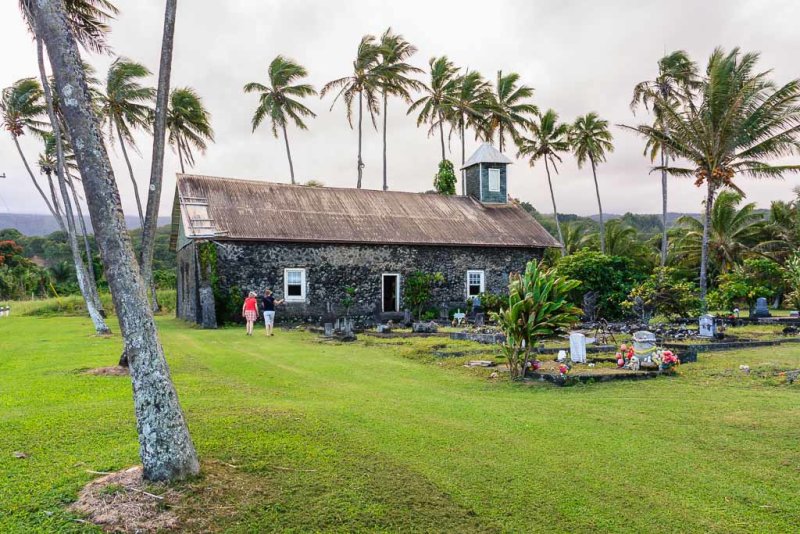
576, 236
434, 105
590, 139
467, 106
279, 100
126, 107
548, 138
393, 72
188, 123
508, 110
363, 82
675, 83
735, 231
87, 19
738, 122
782, 232
22, 108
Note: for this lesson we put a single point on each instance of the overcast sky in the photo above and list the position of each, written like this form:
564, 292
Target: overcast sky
579, 56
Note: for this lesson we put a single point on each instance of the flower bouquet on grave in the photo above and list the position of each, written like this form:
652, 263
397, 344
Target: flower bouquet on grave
668, 361
563, 369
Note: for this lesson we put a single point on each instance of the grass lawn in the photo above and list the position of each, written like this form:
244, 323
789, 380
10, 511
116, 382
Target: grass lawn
373, 436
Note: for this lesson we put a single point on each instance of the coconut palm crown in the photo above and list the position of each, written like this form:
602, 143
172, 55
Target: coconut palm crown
509, 110
434, 105
188, 124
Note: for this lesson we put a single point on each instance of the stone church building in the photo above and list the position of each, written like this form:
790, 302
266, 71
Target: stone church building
308, 244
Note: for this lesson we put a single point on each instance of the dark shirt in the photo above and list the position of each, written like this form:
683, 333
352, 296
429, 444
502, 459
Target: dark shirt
268, 303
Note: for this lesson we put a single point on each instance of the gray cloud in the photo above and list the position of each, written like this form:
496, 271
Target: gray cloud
578, 55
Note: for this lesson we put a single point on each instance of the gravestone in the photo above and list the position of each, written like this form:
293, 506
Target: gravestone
644, 345
577, 347
562, 355
406, 317
424, 328
794, 314
707, 327
480, 320
208, 311
444, 311
761, 308
328, 329
459, 317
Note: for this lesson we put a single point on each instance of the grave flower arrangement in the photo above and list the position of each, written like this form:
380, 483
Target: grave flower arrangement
668, 361
563, 369
624, 355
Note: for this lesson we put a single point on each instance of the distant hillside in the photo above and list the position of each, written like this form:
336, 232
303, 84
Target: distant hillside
672, 217
40, 225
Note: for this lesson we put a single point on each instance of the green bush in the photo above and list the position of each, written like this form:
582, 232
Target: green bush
611, 278
445, 180
754, 278
490, 302
663, 293
419, 289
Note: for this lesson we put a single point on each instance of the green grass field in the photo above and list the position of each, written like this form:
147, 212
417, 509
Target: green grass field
372, 437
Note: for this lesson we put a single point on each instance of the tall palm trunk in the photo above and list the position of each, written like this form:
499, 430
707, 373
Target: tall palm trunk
180, 158
36, 184
89, 293
500, 131
555, 209
704, 248
360, 120
463, 160
385, 109
53, 196
133, 179
157, 164
86, 246
664, 241
288, 153
599, 207
441, 133
165, 445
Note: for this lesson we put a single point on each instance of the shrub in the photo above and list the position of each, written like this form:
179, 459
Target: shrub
756, 277
537, 306
611, 278
664, 293
490, 302
792, 279
419, 289
445, 180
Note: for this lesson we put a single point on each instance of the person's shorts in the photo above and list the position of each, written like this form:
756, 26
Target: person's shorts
269, 317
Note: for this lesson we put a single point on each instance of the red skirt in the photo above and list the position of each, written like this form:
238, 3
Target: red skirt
250, 315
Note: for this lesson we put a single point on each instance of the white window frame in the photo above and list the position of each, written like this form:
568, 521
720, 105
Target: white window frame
397, 291
494, 172
294, 298
483, 281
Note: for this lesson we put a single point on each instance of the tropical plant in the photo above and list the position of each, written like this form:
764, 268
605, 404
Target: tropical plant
126, 108
538, 306
739, 121
166, 448
435, 105
547, 138
623, 240
577, 236
665, 293
393, 73
792, 279
675, 83
610, 278
418, 290
467, 104
445, 180
188, 124
734, 231
591, 140
364, 82
747, 282
508, 110
280, 99
782, 231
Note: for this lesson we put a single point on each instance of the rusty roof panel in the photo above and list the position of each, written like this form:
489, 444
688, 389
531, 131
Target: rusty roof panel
264, 211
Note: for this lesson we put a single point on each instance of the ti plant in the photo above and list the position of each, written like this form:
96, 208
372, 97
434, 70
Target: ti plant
538, 307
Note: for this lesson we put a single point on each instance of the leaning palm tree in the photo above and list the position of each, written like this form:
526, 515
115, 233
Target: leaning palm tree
509, 110
434, 105
22, 107
739, 121
87, 20
364, 82
547, 138
127, 107
279, 100
590, 139
676, 81
188, 124
394, 72
735, 232
467, 106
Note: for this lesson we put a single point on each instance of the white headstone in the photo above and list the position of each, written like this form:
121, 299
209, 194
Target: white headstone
707, 326
577, 347
562, 355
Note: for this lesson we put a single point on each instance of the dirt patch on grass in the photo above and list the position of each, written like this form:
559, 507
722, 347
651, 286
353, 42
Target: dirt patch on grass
124, 502
114, 370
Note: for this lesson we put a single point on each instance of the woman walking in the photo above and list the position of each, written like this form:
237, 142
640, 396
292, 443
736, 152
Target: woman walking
268, 303
250, 311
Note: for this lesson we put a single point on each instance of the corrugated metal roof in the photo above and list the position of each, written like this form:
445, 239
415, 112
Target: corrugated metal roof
486, 153
232, 209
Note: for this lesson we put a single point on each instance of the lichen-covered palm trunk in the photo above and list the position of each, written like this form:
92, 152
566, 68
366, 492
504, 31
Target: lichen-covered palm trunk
166, 448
